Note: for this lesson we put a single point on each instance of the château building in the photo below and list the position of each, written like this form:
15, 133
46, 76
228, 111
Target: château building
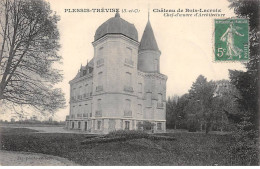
121, 87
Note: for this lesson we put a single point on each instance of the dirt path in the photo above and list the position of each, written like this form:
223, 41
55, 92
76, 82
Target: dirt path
13, 158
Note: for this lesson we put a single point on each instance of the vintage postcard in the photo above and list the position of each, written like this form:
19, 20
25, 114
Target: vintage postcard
139, 83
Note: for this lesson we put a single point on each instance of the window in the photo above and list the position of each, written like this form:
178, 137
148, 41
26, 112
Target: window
159, 126
99, 86
79, 124
156, 65
140, 109
159, 98
129, 53
140, 88
86, 88
86, 125
99, 108
128, 79
101, 51
72, 125
127, 125
139, 125
127, 105
160, 103
86, 109
100, 78
111, 124
149, 99
98, 125
74, 93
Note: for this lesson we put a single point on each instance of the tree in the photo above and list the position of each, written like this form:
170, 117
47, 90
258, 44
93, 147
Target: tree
225, 105
247, 83
201, 100
28, 50
180, 111
171, 113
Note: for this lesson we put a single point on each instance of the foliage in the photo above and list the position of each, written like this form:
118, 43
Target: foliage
127, 134
33, 122
146, 125
207, 106
172, 115
247, 83
201, 101
28, 50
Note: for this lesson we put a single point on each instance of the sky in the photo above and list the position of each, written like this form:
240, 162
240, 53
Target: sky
186, 43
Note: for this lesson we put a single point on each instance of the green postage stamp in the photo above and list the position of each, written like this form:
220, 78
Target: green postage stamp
231, 40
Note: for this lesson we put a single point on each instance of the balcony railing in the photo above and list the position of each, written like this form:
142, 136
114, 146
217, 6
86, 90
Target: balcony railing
86, 95
128, 89
72, 116
129, 62
100, 62
73, 98
128, 113
159, 105
99, 88
98, 113
79, 115
85, 115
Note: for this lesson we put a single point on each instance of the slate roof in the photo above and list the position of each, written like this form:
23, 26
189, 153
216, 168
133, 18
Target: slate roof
116, 25
148, 41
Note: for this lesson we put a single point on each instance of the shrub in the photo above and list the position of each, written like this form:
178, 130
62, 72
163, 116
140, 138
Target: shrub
130, 134
124, 135
146, 125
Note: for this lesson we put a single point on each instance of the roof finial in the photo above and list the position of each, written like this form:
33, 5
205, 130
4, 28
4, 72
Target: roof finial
148, 12
117, 14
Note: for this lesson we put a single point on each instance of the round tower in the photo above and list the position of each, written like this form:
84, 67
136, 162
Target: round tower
148, 52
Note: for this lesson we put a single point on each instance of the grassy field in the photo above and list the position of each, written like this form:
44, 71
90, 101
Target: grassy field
187, 149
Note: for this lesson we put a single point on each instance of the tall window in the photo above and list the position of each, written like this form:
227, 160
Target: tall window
79, 124
159, 98
86, 109
149, 99
86, 88
156, 64
79, 92
100, 74
101, 51
140, 88
99, 106
159, 126
140, 109
129, 53
80, 109
98, 125
128, 79
127, 125
127, 105
74, 92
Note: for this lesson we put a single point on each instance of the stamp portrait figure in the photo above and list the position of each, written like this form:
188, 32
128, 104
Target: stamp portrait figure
228, 37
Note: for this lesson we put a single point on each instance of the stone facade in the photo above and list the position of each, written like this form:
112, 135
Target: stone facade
122, 85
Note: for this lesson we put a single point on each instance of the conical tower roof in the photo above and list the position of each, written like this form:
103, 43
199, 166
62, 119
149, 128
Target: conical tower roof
148, 41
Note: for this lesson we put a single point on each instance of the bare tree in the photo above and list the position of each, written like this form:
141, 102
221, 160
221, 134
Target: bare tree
29, 41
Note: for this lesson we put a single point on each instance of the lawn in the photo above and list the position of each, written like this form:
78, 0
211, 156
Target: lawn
187, 149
